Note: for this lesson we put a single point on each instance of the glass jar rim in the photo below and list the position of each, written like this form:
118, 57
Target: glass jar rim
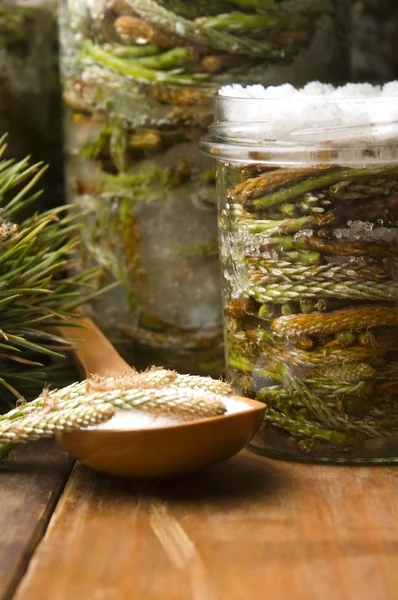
222, 98
241, 133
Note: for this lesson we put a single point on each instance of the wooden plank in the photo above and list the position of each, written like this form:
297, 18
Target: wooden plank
248, 529
31, 481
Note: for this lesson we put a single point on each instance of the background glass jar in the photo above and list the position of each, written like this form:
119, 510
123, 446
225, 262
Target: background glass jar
139, 77
309, 249
30, 97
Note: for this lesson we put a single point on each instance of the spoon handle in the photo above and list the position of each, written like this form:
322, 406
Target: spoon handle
93, 352
95, 355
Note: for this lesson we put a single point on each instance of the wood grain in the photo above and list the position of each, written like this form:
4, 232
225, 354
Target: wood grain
31, 481
248, 529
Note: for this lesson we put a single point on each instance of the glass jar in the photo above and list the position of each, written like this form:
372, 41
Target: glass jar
375, 40
30, 98
139, 77
308, 219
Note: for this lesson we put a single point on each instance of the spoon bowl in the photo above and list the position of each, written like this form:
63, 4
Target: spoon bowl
158, 451
165, 451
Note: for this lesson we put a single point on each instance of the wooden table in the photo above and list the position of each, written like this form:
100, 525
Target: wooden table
249, 529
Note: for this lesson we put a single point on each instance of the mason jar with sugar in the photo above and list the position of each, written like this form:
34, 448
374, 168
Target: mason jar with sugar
308, 218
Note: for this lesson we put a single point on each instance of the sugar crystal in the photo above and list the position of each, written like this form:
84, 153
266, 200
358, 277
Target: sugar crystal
133, 420
318, 111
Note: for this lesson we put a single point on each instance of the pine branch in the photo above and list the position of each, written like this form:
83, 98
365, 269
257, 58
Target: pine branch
350, 288
197, 32
361, 317
43, 425
168, 400
36, 289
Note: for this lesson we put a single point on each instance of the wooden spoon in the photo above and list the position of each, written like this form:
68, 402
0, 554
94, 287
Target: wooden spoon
92, 351
159, 451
